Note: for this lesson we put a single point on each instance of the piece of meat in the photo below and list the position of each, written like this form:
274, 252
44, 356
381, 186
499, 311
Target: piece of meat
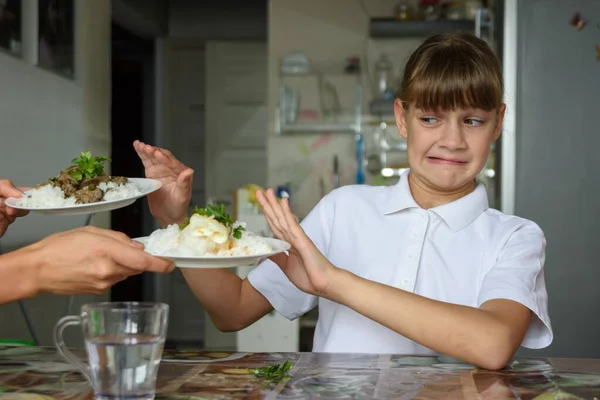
64, 177
69, 189
67, 183
89, 194
120, 180
50, 182
94, 181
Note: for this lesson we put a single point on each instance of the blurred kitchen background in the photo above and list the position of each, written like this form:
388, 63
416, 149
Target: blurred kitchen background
295, 95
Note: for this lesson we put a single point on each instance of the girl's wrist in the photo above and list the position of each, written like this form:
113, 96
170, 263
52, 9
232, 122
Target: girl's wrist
340, 282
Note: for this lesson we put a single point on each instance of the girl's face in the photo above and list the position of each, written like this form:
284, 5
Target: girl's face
447, 149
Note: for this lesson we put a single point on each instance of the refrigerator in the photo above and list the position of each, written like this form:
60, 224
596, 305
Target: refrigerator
550, 156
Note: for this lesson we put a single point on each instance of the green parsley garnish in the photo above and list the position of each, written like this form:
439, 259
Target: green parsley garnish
220, 215
87, 167
273, 373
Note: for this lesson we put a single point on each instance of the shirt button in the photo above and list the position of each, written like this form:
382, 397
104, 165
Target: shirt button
410, 257
405, 282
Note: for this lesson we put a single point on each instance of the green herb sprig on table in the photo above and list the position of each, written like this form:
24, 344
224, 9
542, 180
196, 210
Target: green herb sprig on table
220, 215
87, 167
273, 373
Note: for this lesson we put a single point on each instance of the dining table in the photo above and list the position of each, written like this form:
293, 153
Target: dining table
40, 373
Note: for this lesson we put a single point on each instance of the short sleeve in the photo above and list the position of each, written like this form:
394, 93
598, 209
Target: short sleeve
272, 283
518, 275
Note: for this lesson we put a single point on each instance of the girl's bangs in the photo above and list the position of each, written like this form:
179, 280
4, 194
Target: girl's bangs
446, 83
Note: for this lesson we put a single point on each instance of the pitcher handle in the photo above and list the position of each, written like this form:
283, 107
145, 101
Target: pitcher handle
62, 347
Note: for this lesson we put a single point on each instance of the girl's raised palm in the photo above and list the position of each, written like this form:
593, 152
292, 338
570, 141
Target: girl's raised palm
305, 266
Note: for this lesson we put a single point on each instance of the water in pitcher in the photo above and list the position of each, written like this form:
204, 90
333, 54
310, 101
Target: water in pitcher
124, 366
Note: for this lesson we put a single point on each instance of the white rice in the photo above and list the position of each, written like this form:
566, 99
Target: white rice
45, 196
113, 191
51, 196
166, 242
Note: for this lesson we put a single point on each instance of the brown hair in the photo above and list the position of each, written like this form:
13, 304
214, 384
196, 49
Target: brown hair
452, 70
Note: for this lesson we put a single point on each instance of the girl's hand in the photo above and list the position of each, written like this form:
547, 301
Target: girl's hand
305, 266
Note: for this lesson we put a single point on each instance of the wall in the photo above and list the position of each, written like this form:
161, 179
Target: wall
190, 25
218, 19
46, 121
147, 19
557, 141
326, 32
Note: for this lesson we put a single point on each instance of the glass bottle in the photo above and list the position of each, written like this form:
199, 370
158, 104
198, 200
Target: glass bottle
384, 71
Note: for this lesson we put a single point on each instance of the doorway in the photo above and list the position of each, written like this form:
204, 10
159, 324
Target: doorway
132, 116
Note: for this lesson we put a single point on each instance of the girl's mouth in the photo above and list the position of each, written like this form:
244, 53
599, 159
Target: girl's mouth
446, 161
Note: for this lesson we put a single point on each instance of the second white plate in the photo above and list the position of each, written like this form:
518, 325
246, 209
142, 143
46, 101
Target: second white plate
277, 245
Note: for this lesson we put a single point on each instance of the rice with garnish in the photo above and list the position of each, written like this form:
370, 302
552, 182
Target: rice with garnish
249, 244
52, 196
168, 242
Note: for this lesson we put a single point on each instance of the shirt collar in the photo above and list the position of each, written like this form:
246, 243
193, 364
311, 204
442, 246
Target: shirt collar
400, 198
457, 214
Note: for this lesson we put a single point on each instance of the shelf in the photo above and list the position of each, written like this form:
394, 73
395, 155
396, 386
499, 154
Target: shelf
395, 148
326, 108
393, 28
316, 127
321, 72
381, 107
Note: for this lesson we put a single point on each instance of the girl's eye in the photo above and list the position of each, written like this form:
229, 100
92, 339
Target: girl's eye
429, 120
473, 122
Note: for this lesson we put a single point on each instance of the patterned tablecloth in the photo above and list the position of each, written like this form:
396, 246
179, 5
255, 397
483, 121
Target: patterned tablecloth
38, 373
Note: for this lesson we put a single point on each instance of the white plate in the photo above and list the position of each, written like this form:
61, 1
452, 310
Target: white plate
146, 186
277, 245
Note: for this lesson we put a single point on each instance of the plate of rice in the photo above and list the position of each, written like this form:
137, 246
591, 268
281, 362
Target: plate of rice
49, 199
83, 188
210, 238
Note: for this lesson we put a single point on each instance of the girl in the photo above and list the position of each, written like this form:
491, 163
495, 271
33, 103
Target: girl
422, 267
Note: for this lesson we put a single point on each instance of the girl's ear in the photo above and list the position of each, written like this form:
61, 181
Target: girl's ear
400, 115
499, 120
